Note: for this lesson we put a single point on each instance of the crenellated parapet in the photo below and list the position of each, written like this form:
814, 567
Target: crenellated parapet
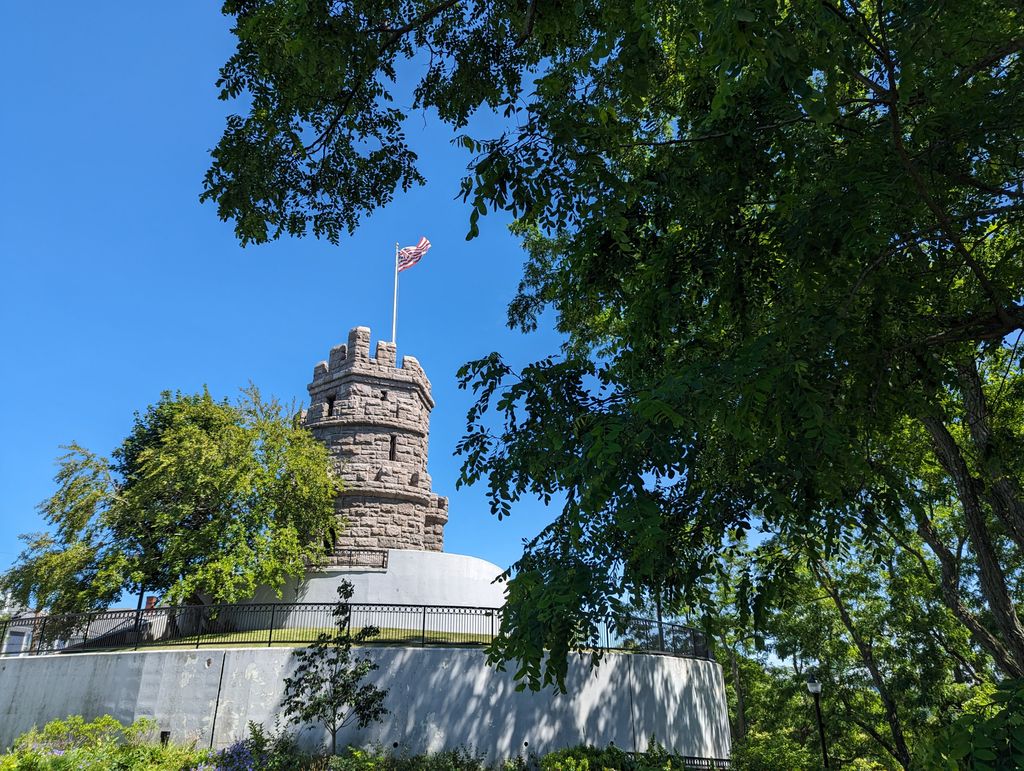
352, 362
374, 418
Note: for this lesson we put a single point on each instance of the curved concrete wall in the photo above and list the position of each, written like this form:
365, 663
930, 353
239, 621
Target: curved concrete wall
439, 698
411, 578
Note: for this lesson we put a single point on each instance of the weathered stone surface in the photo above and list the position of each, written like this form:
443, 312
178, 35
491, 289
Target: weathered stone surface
374, 418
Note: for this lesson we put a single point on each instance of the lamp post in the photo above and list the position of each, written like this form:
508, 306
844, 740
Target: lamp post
814, 687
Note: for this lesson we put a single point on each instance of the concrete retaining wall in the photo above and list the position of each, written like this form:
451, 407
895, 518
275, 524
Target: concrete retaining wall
439, 698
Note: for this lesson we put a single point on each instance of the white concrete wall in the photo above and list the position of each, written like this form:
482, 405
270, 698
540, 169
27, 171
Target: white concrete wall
439, 697
411, 578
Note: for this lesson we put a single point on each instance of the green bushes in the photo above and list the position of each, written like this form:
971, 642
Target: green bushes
99, 745
104, 744
761, 750
656, 758
986, 737
459, 759
570, 759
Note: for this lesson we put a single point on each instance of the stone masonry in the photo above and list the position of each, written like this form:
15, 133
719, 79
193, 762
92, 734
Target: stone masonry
374, 418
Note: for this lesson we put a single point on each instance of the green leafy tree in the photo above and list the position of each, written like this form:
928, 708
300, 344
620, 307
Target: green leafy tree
988, 736
895, 663
327, 685
781, 239
772, 750
203, 500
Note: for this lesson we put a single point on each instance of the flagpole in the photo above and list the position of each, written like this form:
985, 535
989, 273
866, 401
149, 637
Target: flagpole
394, 308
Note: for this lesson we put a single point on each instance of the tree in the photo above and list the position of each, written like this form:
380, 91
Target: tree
327, 685
895, 664
204, 499
781, 239
988, 737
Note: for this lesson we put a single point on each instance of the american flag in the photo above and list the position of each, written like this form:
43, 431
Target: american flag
410, 255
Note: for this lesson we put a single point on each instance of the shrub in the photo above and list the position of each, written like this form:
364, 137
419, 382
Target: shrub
656, 758
106, 745
327, 686
459, 759
988, 736
103, 744
262, 750
760, 750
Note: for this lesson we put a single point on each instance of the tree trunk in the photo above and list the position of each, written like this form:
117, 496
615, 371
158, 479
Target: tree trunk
950, 588
899, 749
992, 579
741, 706
661, 624
1000, 489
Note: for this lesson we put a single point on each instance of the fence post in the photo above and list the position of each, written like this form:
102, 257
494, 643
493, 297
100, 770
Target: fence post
492, 625
270, 637
42, 636
138, 627
423, 631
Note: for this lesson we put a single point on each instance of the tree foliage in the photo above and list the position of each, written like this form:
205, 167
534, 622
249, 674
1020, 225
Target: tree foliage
203, 500
327, 685
984, 739
782, 240
895, 663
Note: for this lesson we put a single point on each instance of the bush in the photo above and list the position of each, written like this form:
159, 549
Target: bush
103, 744
261, 751
656, 758
459, 759
988, 736
758, 751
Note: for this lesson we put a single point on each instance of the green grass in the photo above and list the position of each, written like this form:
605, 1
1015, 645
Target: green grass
291, 638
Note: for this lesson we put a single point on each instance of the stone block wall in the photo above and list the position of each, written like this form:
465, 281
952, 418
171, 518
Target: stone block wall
374, 418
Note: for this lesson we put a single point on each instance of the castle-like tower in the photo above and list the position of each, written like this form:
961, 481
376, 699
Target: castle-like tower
374, 418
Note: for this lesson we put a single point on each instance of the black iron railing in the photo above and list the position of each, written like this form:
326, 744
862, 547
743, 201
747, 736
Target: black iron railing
357, 558
697, 764
295, 624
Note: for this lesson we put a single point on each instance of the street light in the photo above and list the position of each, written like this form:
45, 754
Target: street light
814, 687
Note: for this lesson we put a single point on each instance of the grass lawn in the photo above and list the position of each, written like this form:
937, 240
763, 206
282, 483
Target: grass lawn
290, 638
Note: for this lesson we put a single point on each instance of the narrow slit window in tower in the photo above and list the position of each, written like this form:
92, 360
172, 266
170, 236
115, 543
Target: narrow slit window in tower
394, 447
330, 541
330, 406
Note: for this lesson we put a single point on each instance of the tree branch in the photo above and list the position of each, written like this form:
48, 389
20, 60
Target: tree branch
940, 214
991, 577
867, 655
987, 61
397, 34
950, 588
1000, 488
531, 14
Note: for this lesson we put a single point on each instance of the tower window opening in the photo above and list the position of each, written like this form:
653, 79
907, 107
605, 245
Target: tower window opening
330, 406
383, 396
394, 447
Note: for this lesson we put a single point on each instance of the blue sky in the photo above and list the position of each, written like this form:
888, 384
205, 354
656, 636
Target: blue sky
115, 283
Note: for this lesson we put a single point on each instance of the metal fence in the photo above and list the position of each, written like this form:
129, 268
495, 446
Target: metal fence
357, 558
295, 624
697, 764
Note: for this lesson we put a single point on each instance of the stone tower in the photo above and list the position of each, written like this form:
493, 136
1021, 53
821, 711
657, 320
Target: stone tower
374, 417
